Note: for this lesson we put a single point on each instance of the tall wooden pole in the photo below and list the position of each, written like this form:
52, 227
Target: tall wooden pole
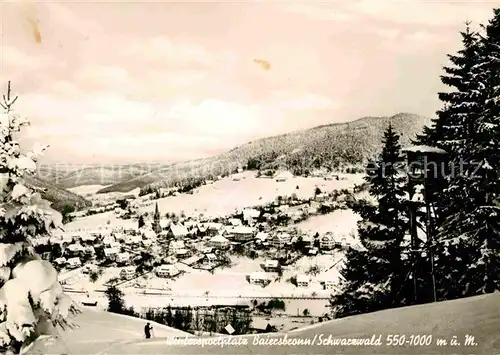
414, 248
428, 230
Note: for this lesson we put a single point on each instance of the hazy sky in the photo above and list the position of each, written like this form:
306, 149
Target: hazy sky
136, 81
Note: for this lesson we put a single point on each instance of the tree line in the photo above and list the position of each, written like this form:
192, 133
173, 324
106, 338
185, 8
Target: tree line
188, 319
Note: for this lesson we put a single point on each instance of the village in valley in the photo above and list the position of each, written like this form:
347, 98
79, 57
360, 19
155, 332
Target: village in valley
329, 179
284, 250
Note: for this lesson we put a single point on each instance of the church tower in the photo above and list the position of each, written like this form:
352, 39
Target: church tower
156, 220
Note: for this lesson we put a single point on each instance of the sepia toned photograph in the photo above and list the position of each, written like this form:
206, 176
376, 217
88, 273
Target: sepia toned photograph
250, 177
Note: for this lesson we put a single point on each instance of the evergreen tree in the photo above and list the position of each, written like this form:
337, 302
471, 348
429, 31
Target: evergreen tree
178, 319
475, 228
189, 319
116, 304
486, 184
169, 318
141, 222
374, 274
468, 242
455, 122
31, 297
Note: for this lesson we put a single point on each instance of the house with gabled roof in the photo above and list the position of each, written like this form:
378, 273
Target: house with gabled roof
281, 239
303, 280
327, 242
177, 231
219, 241
242, 233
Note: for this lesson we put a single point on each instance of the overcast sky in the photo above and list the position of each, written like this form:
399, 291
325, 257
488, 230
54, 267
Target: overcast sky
127, 82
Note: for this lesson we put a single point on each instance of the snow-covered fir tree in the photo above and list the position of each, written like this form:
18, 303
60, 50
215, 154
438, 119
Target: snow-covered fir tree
455, 121
469, 239
31, 299
374, 275
453, 130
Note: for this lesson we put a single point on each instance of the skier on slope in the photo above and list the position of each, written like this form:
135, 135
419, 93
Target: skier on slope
147, 330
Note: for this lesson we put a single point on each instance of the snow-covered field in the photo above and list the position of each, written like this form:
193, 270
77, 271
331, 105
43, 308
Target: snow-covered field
226, 195
85, 190
81, 281
233, 281
224, 285
339, 222
101, 220
225, 282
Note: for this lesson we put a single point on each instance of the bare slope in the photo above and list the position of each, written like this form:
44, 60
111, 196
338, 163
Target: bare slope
328, 145
477, 316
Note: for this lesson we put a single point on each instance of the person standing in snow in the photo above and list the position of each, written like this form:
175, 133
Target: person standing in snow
147, 330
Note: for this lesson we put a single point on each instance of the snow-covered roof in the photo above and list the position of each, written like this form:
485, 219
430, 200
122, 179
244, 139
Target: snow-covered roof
41, 241
259, 323
75, 247
148, 233
88, 237
243, 230
178, 230
214, 226
55, 240
190, 224
67, 238
283, 236
108, 239
303, 278
307, 238
193, 259
111, 251
423, 149
235, 222
202, 227
75, 261
177, 244
262, 235
260, 275
166, 268
219, 239
251, 212
133, 239
271, 263
328, 237
114, 244
211, 256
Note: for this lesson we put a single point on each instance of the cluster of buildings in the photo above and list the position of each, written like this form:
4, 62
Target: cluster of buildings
197, 241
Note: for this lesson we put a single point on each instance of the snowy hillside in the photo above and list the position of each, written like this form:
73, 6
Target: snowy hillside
476, 316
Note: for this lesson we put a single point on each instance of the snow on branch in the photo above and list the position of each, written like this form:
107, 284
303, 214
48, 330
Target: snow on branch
30, 293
